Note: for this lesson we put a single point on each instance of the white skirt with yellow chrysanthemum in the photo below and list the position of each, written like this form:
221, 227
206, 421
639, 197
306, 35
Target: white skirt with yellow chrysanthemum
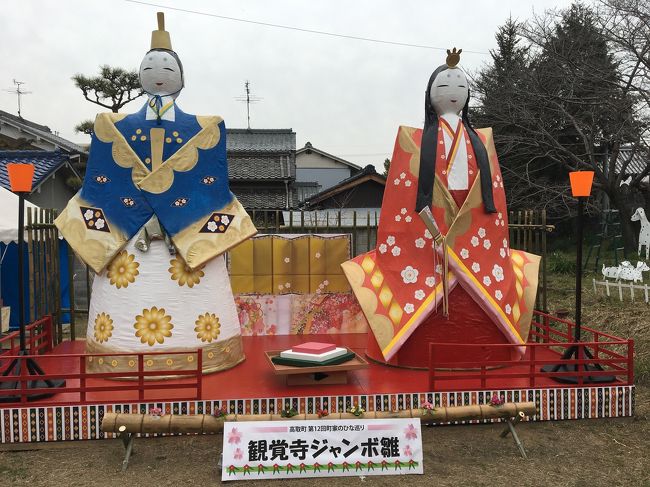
152, 302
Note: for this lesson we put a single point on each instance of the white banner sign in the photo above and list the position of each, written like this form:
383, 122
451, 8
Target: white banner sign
326, 448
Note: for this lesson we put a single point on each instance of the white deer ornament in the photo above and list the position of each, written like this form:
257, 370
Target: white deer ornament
626, 271
644, 233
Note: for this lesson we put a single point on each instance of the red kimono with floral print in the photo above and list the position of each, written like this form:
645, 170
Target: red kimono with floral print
399, 284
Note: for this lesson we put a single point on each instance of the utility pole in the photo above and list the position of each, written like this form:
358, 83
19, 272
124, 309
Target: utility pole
18, 92
248, 99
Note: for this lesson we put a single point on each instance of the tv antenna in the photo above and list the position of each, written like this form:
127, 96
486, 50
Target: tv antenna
18, 92
249, 98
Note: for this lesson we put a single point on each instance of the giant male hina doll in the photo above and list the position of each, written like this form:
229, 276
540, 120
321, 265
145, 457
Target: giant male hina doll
153, 218
443, 270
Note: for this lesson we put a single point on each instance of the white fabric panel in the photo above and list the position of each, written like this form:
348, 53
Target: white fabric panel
154, 286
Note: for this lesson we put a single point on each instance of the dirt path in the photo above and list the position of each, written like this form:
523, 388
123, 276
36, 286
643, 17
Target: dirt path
566, 453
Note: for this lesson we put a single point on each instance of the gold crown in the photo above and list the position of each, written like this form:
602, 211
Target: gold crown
453, 57
160, 38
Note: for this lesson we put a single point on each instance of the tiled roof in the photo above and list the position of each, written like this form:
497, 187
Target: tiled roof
261, 198
367, 172
45, 163
41, 131
261, 140
261, 167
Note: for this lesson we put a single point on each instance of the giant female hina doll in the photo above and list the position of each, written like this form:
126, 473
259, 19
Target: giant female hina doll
153, 218
443, 270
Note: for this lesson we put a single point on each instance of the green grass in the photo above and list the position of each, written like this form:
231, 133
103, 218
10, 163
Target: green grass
623, 319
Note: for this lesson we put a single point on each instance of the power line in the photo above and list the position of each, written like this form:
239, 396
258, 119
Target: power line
300, 29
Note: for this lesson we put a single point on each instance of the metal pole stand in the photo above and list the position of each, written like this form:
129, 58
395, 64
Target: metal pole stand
511, 429
127, 441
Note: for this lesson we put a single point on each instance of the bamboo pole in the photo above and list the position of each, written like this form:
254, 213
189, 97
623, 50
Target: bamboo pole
205, 423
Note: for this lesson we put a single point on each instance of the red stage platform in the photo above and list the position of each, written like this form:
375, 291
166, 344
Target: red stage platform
252, 387
254, 378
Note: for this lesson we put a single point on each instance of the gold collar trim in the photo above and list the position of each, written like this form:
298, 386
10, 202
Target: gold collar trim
160, 179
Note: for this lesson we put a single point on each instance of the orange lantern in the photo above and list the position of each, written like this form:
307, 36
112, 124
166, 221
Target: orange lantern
581, 183
20, 177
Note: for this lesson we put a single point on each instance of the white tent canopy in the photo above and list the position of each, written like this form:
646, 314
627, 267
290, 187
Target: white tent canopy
9, 215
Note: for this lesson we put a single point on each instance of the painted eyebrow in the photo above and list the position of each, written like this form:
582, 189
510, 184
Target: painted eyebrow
144, 69
461, 86
441, 86
169, 69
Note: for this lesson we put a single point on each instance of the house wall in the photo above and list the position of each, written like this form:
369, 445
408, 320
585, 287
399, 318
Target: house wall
314, 160
314, 167
53, 193
325, 177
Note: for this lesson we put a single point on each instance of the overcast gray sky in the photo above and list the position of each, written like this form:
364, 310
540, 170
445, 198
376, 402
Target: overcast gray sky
345, 96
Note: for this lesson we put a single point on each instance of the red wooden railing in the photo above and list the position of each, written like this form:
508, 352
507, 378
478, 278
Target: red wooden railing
83, 387
38, 338
549, 338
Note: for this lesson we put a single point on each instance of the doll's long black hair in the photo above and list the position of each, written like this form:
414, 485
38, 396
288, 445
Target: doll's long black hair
429, 148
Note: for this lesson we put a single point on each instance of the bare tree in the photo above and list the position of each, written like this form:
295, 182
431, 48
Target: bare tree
626, 23
568, 104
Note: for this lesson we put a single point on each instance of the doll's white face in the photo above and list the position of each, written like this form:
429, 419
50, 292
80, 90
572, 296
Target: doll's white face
449, 91
160, 74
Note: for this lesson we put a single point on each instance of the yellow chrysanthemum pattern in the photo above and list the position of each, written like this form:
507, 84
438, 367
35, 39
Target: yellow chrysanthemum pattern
123, 269
207, 327
103, 327
153, 326
183, 273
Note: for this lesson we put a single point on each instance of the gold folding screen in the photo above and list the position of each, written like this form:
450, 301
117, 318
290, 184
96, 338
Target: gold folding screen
275, 264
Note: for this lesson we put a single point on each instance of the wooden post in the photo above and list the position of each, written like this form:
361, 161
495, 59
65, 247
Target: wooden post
630, 362
532, 367
141, 377
511, 429
42, 266
199, 374
127, 441
544, 296
71, 258
30, 266
368, 232
354, 233
632, 291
